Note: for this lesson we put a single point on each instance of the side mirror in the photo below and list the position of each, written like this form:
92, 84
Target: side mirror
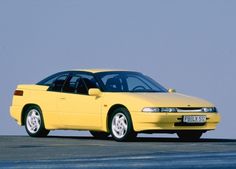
94, 92
171, 90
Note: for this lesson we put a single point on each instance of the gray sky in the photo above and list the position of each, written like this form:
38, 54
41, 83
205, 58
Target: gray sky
186, 45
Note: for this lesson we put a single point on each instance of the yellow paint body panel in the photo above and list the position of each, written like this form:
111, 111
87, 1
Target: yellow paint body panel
166, 121
83, 112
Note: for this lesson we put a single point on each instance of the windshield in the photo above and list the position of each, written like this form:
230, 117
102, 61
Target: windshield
127, 82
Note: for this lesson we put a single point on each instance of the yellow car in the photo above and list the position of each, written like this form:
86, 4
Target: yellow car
120, 103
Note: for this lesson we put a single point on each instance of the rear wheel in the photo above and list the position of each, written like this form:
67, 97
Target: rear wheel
121, 126
99, 134
34, 123
190, 135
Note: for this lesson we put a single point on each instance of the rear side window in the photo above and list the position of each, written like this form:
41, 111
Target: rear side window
58, 83
49, 80
70, 82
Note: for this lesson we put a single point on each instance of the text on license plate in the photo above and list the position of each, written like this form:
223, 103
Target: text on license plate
194, 119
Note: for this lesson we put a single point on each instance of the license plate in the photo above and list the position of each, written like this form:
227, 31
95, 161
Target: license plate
194, 119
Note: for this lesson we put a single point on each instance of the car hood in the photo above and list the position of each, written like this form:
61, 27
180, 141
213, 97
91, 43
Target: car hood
168, 100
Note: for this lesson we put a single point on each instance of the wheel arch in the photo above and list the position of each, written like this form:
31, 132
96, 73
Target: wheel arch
23, 112
112, 108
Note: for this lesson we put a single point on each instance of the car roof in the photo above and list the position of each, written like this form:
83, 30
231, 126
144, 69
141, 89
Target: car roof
98, 70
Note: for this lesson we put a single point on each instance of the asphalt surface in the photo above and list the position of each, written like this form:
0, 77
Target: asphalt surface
87, 152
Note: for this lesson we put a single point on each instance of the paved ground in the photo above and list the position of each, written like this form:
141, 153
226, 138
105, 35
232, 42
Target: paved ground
86, 152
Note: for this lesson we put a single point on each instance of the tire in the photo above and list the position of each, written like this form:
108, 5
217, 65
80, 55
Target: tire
189, 135
99, 134
120, 125
34, 124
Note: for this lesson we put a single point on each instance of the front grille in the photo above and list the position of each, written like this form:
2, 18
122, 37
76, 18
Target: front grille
189, 109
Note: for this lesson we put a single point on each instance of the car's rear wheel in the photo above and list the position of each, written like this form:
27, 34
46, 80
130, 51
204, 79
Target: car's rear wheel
121, 126
34, 123
99, 134
189, 135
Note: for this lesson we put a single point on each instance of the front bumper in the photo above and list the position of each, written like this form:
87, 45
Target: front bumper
171, 121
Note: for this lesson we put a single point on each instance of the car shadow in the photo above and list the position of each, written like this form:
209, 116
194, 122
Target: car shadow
146, 139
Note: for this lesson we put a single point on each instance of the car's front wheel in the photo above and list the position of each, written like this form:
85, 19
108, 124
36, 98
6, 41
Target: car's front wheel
34, 123
189, 135
121, 126
99, 134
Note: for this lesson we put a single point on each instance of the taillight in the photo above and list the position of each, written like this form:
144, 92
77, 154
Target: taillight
18, 92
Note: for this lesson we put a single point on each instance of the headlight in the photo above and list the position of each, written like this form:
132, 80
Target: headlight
159, 109
151, 109
209, 109
166, 109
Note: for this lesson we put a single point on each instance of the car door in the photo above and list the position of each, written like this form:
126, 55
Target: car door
77, 109
49, 101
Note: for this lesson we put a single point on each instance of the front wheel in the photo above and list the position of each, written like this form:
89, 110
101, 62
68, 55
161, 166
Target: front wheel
189, 135
34, 123
121, 126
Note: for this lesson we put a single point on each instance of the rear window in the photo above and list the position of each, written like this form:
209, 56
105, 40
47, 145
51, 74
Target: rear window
49, 80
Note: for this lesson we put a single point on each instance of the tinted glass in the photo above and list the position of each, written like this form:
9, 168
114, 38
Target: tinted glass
89, 80
58, 83
128, 82
75, 84
112, 82
70, 85
49, 80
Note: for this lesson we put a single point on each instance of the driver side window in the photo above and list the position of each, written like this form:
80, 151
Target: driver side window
75, 84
